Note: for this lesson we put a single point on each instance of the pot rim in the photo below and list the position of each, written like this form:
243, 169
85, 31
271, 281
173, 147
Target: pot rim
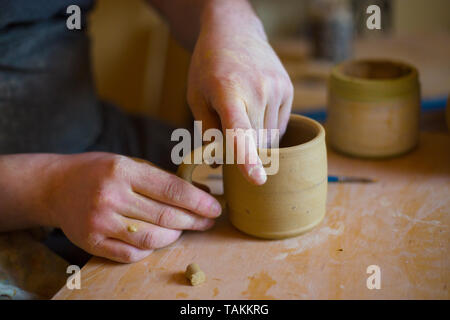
320, 135
353, 87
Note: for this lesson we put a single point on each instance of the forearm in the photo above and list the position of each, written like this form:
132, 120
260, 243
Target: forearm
24, 180
187, 18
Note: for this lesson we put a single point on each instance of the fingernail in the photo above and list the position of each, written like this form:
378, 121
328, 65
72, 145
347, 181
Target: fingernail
208, 224
216, 208
258, 174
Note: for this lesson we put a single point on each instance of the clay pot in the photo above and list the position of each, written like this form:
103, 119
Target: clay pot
373, 108
292, 201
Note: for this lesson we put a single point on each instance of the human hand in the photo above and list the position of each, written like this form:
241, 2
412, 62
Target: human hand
237, 81
120, 208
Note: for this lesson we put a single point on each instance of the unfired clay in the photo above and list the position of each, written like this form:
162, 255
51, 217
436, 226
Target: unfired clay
132, 228
194, 274
290, 202
373, 108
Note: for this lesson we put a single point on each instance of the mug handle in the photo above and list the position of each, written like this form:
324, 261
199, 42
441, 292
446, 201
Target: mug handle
186, 170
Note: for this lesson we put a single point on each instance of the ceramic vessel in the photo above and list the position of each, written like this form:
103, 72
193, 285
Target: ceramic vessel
293, 200
373, 108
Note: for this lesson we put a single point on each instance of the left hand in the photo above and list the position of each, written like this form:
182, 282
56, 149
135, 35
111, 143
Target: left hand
237, 81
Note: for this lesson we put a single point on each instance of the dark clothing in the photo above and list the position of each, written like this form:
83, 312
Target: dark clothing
135, 136
48, 101
47, 96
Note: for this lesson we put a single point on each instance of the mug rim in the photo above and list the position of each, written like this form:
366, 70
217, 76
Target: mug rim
317, 138
360, 88
339, 71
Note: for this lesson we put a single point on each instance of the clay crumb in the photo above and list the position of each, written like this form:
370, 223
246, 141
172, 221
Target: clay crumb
194, 274
131, 228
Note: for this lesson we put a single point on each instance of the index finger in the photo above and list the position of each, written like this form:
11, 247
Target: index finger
233, 114
157, 184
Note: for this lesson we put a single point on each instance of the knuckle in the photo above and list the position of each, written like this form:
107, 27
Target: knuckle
278, 77
94, 241
103, 199
290, 92
234, 119
129, 256
117, 166
260, 91
94, 225
276, 84
288, 86
280, 82
261, 82
165, 217
147, 240
225, 81
174, 189
199, 202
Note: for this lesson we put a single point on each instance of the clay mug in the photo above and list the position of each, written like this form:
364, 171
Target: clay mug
373, 108
293, 200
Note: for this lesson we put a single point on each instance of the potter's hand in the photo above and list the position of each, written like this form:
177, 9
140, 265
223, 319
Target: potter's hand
236, 80
119, 208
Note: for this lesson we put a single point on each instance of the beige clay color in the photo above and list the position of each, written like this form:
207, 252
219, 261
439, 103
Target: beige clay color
194, 274
132, 228
292, 201
373, 108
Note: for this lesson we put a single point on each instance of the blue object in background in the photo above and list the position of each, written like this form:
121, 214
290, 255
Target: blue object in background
433, 104
342, 179
333, 179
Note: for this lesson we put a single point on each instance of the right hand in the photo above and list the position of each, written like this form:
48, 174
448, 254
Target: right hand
97, 197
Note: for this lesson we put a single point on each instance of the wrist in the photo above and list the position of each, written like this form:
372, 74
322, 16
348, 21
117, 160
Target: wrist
232, 17
53, 178
24, 181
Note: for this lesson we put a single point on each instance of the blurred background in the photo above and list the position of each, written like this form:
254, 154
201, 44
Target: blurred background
140, 67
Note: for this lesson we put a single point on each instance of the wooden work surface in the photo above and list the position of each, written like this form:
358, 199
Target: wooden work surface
400, 223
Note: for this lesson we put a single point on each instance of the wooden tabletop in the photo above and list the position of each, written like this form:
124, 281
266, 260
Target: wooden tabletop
400, 223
